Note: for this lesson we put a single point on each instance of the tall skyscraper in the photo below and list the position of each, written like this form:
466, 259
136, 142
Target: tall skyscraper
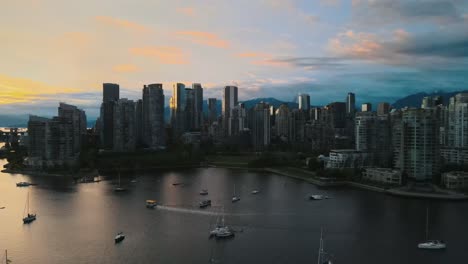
419, 154
304, 102
124, 126
153, 115
178, 108
366, 107
198, 105
110, 96
261, 126
282, 122
139, 122
78, 119
229, 101
237, 120
383, 108
458, 121
212, 110
350, 104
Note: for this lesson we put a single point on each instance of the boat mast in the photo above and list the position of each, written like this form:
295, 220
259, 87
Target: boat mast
427, 222
319, 260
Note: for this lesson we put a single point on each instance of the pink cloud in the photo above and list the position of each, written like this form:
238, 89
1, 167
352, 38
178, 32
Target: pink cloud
125, 68
186, 11
203, 38
122, 23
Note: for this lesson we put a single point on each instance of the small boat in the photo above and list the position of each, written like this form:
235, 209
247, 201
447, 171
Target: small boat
177, 183
316, 197
119, 188
221, 231
29, 217
3, 207
235, 198
23, 184
255, 192
119, 237
133, 181
204, 192
204, 203
151, 204
431, 244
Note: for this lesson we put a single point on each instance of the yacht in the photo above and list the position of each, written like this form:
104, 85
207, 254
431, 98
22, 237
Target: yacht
221, 230
255, 191
22, 184
29, 217
316, 197
323, 257
235, 198
119, 237
151, 204
431, 244
119, 188
204, 192
204, 203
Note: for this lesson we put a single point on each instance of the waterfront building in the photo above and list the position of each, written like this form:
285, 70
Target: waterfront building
382, 175
212, 110
383, 109
452, 155
237, 120
110, 96
261, 126
230, 100
455, 180
197, 106
282, 122
178, 109
78, 119
153, 116
350, 104
419, 154
458, 121
347, 158
124, 126
139, 122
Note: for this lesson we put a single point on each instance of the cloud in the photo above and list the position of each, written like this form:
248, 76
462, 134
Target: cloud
122, 24
330, 2
378, 12
125, 68
164, 54
203, 38
358, 45
290, 6
311, 63
186, 11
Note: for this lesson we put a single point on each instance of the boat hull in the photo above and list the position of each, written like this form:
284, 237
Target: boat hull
28, 220
431, 246
119, 239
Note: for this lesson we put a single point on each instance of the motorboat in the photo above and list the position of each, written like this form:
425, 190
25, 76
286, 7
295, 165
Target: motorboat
316, 197
235, 198
204, 192
255, 192
119, 188
432, 244
23, 184
221, 230
204, 203
151, 204
119, 237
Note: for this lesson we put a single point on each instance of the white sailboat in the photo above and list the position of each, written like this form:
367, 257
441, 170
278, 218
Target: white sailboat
119, 188
234, 197
221, 230
322, 255
430, 244
29, 217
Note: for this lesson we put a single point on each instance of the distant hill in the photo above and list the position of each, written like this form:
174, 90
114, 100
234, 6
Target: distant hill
415, 100
271, 101
13, 120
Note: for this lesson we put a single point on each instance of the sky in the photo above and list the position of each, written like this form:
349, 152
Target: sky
382, 50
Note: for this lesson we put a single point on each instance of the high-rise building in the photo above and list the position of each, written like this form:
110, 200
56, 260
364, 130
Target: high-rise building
229, 101
78, 119
153, 115
297, 124
124, 126
110, 96
212, 110
383, 108
198, 105
178, 109
366, 107
189, 110
419, 154
458, 121
304, 102
282, 122
261, 126
237, 120
350, 104
139, 122
37, 137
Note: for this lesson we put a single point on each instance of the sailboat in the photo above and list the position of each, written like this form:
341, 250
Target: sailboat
221, 230
322, 255
30, 217
234, 197
120, 188
430, 244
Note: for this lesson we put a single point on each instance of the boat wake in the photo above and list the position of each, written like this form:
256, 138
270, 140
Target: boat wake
215, 212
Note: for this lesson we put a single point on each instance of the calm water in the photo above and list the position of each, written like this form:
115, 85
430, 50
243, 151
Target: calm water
77, 223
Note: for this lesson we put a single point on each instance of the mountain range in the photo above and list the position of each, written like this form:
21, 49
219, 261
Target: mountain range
413, 100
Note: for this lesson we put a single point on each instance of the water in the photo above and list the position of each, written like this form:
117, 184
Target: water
77, 223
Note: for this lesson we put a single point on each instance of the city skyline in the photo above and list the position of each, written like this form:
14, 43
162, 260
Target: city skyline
379, 50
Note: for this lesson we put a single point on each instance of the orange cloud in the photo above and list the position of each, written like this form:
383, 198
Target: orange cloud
166, 55
122, 23
356, 45
203, 38
78, 38
186, 11
250, 55
125, 68
18, 90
